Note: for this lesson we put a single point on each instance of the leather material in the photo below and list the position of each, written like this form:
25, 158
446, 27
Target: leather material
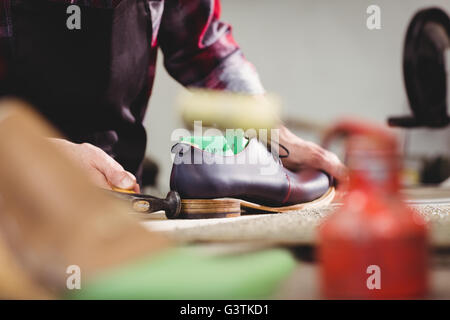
253, 175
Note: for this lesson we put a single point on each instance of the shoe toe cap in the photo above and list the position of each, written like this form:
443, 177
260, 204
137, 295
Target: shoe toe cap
306, 185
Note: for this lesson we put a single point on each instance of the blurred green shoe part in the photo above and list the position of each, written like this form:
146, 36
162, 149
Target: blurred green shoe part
184, 273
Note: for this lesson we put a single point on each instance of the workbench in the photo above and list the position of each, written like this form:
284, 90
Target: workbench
296, 231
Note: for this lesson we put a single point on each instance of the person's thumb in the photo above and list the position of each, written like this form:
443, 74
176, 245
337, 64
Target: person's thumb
115, 174
121, 179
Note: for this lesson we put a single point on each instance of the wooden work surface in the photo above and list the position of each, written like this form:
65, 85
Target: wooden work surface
292, 228
296, 227
296, 231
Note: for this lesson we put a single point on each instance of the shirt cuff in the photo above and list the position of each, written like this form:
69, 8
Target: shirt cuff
234, 74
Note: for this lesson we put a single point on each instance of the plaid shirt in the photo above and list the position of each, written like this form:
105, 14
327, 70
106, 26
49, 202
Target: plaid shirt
198, 48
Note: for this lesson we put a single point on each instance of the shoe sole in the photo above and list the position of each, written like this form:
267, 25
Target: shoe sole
230, 207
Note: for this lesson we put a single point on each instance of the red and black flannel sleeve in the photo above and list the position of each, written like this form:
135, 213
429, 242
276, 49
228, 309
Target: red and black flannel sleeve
200, 51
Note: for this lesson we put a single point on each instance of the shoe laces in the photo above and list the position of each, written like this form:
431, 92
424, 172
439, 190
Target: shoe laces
273, 147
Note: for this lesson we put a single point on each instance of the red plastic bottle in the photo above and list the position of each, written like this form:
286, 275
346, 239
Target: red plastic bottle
374, 246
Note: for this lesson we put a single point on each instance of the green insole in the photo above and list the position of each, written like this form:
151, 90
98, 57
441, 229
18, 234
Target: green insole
184, 273
224, 145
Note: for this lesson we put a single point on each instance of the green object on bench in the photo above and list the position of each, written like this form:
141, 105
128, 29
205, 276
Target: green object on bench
185, 273
226, 145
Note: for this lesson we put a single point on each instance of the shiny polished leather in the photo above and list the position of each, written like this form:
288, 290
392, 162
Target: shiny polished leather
198, 174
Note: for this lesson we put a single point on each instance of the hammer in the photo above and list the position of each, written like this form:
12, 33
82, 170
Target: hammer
148, 204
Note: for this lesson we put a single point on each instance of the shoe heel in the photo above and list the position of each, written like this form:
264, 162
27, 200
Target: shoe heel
209, 208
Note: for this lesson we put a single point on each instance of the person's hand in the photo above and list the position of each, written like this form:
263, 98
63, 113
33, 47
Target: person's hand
103, 170
306, 153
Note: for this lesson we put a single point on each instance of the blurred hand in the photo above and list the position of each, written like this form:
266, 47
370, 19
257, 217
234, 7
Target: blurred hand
305, 153
103, 170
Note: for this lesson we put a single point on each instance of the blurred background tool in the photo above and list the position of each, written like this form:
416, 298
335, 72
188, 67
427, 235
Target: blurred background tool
426, 70
229, 110
373, 231
426, 75
144, 203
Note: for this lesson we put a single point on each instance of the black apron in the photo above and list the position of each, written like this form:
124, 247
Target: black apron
92, 83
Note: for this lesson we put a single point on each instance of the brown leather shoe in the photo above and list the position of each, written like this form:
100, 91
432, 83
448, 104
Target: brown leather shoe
255, 176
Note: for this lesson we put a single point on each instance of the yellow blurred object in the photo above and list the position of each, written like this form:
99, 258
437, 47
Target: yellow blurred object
229, 110
51, 216
410, 177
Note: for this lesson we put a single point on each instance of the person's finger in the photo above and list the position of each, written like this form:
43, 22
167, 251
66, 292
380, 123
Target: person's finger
322, 159
115, 174
331, 164
120, 178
